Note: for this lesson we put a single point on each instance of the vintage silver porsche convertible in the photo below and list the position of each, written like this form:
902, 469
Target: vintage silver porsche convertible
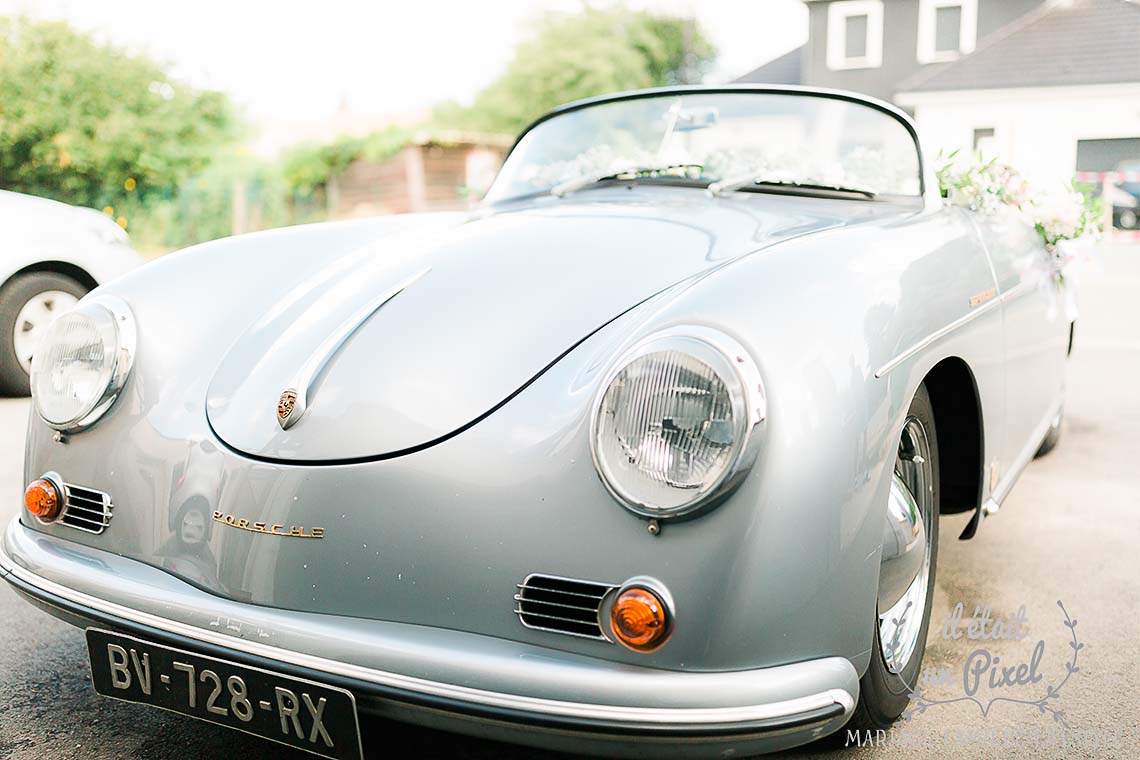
644, 456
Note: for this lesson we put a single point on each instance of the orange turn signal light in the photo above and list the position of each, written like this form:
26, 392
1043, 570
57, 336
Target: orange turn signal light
639, 619
42, 499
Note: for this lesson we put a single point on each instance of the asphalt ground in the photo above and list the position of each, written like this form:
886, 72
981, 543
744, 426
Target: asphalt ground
1069, 532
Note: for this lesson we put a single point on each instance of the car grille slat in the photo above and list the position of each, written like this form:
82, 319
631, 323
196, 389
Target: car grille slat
86, 509
543, 609
81, 506
80, 492
88, 519
562, 605
550, 617
538, 602
76, 506
559, 592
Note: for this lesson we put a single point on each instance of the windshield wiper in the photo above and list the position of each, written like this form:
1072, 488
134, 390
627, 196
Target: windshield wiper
630, 172
725, 186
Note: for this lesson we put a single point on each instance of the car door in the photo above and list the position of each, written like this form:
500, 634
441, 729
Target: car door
1036, 331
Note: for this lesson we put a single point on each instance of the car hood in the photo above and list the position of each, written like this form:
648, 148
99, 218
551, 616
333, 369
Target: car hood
405, 341
45, 223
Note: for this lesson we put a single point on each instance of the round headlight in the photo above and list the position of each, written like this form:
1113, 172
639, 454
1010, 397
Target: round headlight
674, 423
81, 364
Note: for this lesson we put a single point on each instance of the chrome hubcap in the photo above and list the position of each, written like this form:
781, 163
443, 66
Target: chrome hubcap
34, 318
904, 572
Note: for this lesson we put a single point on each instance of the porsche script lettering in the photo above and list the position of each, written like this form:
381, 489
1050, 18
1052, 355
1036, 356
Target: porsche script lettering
982, 297
273, 529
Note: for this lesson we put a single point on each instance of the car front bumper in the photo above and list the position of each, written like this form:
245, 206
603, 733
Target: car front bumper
443, 678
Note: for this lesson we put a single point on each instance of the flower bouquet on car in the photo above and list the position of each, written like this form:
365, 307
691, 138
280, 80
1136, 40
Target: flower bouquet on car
1064, 217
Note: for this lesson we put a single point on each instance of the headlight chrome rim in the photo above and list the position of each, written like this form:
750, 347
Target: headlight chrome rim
126, 335
751, 402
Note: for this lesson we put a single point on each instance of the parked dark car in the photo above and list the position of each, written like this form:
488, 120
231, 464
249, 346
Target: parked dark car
1126, 202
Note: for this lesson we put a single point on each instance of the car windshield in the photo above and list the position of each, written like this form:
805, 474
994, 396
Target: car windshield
781, 139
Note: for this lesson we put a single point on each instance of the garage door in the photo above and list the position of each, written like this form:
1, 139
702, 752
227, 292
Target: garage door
1107, 155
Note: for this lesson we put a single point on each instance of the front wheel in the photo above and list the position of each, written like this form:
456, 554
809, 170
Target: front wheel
28, 304
906, 573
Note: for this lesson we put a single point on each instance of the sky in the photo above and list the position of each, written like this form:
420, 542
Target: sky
291, 65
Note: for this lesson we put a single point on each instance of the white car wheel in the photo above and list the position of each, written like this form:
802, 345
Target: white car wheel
28, 304
32, 320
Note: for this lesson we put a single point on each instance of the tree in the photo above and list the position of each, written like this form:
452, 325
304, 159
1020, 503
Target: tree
577, 55
88, 123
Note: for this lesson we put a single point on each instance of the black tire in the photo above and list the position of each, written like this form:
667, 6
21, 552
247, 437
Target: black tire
883, 695
1053, 437
13, 296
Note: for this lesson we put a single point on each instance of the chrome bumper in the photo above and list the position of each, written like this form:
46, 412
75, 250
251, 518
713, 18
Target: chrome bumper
445, 678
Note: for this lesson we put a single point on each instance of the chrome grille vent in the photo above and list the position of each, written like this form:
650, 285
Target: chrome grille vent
561, 605
86, 509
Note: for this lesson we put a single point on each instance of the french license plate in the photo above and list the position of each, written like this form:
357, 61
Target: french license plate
302, 714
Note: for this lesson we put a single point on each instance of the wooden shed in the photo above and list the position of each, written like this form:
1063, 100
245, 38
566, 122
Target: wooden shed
439, 171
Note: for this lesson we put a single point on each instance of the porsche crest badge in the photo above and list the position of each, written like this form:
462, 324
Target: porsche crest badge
285, 406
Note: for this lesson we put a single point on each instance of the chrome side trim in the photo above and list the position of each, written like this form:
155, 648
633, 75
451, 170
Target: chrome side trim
630, 716
302, 382
963, 320
998, 494
1017, 291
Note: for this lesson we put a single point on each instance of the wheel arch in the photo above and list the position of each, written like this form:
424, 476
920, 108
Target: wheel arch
67, 269
958, 421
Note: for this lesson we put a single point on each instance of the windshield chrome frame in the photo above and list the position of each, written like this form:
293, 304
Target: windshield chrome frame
928, 183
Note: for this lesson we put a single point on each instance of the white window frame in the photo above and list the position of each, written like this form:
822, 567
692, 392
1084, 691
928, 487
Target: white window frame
837, 14
928, 32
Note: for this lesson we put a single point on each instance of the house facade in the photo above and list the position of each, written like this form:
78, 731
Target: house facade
1050, 86
1057, 92
872, 45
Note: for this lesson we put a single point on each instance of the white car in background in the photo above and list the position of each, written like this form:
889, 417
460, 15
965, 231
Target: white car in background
51, 255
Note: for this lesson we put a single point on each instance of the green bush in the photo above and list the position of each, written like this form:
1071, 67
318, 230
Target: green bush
202, 208
308, 167
87, 123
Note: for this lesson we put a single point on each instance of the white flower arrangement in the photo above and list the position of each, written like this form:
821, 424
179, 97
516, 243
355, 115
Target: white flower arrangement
1067, 220
1058, 215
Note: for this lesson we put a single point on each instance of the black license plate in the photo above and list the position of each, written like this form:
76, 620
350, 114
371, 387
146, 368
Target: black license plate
302, 714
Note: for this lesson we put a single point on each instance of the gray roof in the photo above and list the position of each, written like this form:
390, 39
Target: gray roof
787, 69
1074, 43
